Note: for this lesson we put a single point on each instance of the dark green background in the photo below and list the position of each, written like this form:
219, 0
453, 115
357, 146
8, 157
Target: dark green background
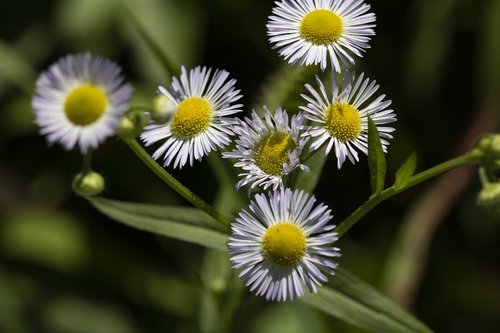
66, 268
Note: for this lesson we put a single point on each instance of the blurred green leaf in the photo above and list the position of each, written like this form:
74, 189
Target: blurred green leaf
79, 19
70, 314
376, 158
491, 46
15, 70
307, 181
11, 306
175, 27
44, 236
219, 296
283, 87
227, 200
160, 54
354, 301
183, 223
405, 171
166, 291
289, 318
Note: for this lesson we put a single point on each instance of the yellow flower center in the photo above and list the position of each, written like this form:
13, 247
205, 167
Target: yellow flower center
85, 104
321, 27
343, 121
272, 152
193, 116
284, 244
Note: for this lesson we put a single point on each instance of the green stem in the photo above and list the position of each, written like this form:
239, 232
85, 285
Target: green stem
176, 185
87, 162
473, 156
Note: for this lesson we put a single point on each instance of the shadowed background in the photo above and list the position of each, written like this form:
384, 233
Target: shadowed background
66, 268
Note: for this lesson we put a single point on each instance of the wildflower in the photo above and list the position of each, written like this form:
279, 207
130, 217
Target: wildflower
283, 244
341, 121
200, 122
268, 149
309, 31
80, 101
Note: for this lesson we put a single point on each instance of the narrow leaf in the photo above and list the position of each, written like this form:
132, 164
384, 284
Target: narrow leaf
183, 223
405, 171
153, 45
376, 158
357, 303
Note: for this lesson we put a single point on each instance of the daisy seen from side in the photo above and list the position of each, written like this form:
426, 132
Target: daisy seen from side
80, 100
341, 120
321, 31
284, 244
201, 104
268, 148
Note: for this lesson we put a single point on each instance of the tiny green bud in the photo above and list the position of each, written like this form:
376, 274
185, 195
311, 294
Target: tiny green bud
489, 197
495, 144
163, 109
218, 285
131, 125
490, 146
88, 184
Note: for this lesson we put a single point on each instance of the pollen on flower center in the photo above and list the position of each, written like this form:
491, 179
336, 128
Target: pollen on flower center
85, 104
193, 116
272, 152
321, 27
343, 121
284, 244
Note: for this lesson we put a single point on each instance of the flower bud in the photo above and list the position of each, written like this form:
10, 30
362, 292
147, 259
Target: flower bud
131, 125
163, 109
490, 146
88, 184
489, 197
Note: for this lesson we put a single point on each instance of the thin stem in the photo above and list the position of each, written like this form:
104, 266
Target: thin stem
87, 162
471, 157
176, 185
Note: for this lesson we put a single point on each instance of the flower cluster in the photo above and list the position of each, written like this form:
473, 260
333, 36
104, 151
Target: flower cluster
284, 242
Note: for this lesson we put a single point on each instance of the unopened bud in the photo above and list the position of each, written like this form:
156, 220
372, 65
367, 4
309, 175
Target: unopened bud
489, 197
163, 109
88, 184
490, 146
131, 125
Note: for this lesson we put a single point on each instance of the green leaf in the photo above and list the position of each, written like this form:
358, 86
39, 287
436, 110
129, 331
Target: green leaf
152, 43
405, 171
183, 223
15, 69
376, 158
354, 301
307, 181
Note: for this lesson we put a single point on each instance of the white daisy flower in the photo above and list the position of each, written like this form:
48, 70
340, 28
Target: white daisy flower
342, 120
284, 244
80, 101
308, 31
200, 121
268, 149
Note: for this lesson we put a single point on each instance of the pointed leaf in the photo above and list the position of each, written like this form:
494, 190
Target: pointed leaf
183, 223
376, 158
153, 45
354, 301
405, 171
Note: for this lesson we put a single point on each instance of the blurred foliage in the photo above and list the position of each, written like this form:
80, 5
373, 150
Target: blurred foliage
64, 267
